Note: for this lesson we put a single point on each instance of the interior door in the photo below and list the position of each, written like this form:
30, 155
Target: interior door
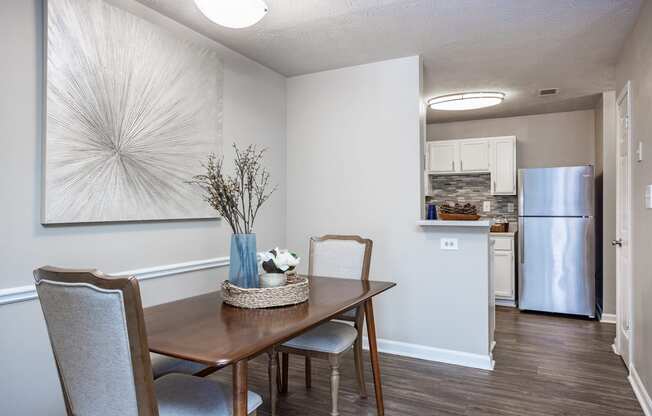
474, 156
623, 231
443, 156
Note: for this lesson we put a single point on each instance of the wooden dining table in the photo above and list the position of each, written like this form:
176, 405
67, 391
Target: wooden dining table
203, 329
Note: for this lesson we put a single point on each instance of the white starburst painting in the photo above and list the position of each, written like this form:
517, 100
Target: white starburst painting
131, 112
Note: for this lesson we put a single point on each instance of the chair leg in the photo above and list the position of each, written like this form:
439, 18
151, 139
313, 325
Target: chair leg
359, 366
279, 378
334, 360
308, 373
284, 372
272, 367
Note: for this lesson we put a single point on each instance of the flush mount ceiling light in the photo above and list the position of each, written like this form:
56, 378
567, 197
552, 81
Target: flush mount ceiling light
234, 14
466, 101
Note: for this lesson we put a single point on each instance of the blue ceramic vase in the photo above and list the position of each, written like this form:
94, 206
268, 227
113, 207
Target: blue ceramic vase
243, 270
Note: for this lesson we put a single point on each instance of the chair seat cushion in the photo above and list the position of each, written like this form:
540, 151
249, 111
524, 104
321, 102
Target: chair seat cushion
348, 314
329, 337
162, 365
184, 395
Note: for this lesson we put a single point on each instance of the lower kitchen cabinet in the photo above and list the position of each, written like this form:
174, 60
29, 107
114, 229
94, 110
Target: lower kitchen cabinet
504, 269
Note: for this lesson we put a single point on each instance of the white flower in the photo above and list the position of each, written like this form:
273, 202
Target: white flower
283, 260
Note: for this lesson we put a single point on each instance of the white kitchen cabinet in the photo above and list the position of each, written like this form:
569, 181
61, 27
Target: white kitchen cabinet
474, 156
493, 155
504, 269
503, 165
503, 273
443, 157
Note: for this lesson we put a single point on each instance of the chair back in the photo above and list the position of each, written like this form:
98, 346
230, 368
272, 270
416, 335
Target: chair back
98, 337
343, 256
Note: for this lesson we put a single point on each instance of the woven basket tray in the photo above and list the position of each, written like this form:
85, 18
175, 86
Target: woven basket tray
296, 290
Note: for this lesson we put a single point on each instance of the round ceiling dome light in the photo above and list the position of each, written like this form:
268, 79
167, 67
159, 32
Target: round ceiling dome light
466, 101
235, 14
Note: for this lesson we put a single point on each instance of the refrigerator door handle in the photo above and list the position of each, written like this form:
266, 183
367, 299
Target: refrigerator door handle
521, 240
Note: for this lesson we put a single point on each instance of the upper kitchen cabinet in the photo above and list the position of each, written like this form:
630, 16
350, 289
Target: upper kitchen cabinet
503, 165
493, 155
474, 155
443, 157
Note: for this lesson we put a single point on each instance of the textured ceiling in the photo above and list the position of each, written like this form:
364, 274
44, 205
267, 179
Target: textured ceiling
514, 46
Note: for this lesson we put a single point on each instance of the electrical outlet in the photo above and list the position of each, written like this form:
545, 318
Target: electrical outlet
510, 207
449, 244
486, 206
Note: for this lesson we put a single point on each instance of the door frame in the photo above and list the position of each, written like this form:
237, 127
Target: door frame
624, 299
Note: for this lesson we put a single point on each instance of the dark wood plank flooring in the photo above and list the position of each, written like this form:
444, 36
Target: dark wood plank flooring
545, 366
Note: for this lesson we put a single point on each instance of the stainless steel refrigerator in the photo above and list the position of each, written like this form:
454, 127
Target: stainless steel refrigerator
556, 251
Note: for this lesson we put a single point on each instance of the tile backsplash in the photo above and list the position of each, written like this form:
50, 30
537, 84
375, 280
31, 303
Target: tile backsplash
474, 189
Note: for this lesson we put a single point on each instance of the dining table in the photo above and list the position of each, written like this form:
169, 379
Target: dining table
206, 330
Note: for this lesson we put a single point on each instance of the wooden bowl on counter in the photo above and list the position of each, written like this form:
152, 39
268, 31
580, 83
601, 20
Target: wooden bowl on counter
458, 217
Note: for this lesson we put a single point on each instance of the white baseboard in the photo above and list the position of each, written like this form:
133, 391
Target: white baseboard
25, 293
506, 302
423, 352
608, 318
641, 393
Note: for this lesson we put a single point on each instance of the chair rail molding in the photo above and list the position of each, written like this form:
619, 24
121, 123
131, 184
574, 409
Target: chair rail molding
25, 293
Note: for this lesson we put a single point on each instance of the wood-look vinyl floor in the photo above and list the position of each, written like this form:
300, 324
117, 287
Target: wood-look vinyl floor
545, 366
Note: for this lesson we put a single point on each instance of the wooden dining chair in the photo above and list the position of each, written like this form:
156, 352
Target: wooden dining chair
343, 256
98, 337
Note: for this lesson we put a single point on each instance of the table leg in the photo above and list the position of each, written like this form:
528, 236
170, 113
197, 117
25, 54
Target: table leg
240, 388
272, 379
373, 352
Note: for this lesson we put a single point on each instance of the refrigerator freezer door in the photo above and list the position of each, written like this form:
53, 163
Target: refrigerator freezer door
556, 192
556, 265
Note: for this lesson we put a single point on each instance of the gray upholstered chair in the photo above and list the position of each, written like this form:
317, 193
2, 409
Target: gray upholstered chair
98, 337
333, 256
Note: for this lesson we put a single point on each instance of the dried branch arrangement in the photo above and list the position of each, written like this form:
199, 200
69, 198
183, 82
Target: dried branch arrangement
238, 197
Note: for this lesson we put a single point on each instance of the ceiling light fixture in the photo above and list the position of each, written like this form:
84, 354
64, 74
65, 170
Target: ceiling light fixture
234, 14
466, 101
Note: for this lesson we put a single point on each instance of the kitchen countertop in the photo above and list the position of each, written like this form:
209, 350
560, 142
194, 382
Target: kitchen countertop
441, 223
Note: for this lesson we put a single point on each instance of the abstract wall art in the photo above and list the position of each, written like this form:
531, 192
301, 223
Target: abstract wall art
131, 110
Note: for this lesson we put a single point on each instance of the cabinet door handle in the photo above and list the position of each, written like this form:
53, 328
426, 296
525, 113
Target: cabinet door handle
453, 163
494, 186
461, 166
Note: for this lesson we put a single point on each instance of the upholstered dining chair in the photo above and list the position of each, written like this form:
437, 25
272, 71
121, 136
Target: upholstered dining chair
98, 337
342, 256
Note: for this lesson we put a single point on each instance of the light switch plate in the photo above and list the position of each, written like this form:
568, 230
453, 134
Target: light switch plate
449, 244
486, 206
510, 207
639, 152
648, 197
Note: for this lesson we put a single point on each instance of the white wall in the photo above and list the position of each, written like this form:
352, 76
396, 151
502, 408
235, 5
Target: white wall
545, 140
354, 167
605, 170
254, 112
635, 65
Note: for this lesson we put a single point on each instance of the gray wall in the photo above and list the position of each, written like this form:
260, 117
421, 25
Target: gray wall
355, 169
605, 169
635, 64
254, 112
557, 139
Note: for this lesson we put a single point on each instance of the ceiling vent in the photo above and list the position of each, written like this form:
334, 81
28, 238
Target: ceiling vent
548, 91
